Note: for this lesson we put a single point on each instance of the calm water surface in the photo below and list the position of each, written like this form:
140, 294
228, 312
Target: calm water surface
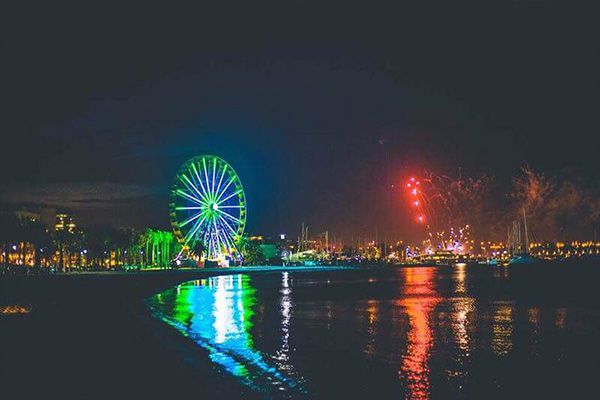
417, 333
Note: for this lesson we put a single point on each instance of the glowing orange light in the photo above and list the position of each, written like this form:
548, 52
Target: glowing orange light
16, 309
416, 203
408, 185
419, 304
412, 179
414, 191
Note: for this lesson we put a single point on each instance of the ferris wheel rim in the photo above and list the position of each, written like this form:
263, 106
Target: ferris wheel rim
209, 191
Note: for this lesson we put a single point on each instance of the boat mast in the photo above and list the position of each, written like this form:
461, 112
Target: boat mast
520, 248
526, 234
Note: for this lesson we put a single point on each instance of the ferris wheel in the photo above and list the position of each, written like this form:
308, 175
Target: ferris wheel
208, 207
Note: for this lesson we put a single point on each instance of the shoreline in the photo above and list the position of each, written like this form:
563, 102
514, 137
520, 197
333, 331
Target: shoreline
89, 335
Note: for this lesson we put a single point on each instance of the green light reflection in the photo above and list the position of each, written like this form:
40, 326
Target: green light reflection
216, 313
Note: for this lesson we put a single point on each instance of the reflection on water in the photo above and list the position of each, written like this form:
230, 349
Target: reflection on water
372, 310
217, 314
502, 330
533, 316
414, 333
420, 300
460, 278
460, 310
283, 354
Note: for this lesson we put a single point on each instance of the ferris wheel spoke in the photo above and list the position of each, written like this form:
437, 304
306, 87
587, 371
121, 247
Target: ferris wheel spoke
197, 226
239, 221
218, 240
228, 197
205, 169
234, 245
195, 229
191, 219
209, 199
220, 180
219, 195
226, 237
215, 242
214, 239
214, 171
181, 193
190, 185
233, 232
227, 243
199, 180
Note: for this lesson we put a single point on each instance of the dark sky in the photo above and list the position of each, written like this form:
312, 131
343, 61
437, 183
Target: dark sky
315, 107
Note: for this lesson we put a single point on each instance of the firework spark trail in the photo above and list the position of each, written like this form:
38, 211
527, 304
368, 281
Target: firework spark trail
447, 207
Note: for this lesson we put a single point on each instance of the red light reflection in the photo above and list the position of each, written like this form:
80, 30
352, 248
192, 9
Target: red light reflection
419, 302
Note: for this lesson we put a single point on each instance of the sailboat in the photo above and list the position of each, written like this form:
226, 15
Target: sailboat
519, 251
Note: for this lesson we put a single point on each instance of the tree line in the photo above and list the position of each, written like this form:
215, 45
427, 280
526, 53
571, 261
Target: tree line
28, 242
31, 243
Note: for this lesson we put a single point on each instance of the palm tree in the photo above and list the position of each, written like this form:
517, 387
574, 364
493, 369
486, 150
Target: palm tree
37, 234
76, 246
100, 243
9, 231
199, 248
61, 239
160, 244
252, 253
121, 241
129, 243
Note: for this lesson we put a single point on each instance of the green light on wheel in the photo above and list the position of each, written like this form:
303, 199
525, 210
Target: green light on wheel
208, 207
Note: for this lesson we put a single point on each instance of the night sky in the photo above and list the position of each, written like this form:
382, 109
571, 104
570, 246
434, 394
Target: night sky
315, 107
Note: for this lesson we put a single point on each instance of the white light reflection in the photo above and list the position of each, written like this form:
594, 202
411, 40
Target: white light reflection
460, 308
224, 321
460, 311
459, 314
283, 354
502, 329
218, 316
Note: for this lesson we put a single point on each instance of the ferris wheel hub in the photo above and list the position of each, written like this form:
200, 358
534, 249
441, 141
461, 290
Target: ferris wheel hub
208, 208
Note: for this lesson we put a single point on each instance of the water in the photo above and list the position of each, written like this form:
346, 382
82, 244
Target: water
417, 333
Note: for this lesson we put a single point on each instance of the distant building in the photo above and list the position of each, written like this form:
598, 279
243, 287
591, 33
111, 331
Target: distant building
272, 248
28, 215
46, 216
64, 222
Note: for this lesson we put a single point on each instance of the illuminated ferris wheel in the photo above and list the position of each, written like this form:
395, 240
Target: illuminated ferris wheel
208, 207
